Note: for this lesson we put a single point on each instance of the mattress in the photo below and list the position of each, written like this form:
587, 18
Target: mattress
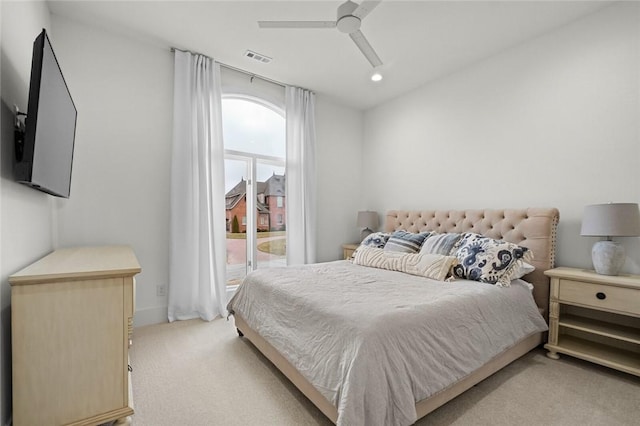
374, 342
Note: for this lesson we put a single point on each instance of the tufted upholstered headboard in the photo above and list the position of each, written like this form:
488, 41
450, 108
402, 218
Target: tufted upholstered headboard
534, 228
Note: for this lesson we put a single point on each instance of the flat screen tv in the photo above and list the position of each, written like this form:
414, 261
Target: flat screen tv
44, 156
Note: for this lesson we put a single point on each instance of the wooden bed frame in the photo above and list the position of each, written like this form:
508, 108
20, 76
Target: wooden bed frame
534, 228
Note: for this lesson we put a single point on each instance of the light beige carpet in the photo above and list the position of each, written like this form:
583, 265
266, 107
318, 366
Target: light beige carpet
201, 373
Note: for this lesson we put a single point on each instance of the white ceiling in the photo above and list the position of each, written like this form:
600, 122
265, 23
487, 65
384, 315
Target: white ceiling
418, 41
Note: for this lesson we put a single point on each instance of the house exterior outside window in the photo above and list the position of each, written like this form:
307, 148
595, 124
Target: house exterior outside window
271, 205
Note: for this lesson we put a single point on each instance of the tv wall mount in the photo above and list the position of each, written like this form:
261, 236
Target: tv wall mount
19, 128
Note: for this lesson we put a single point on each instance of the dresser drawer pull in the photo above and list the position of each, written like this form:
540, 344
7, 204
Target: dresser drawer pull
601, 295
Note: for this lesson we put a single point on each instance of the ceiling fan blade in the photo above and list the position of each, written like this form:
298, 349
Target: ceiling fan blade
365, 8
297, 24
365, 48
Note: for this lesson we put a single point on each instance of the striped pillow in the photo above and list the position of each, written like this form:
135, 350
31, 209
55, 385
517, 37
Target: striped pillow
440, 243
406, 242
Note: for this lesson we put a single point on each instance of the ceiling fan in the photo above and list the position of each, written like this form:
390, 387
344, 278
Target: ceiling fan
349, 19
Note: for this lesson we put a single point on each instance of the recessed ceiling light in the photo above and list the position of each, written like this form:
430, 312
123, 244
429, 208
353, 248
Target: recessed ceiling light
376, 76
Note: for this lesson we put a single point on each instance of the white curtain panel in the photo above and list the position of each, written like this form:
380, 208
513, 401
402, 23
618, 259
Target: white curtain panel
301, 176
197, 265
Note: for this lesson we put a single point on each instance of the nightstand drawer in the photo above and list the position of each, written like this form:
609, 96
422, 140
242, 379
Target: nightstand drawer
606, 297
595, 317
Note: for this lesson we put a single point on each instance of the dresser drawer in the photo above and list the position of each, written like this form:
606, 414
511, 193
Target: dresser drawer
606, 297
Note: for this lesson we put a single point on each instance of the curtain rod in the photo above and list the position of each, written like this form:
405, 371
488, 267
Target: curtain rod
252, 75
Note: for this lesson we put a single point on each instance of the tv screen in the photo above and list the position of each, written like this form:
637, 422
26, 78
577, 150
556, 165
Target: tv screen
45, 160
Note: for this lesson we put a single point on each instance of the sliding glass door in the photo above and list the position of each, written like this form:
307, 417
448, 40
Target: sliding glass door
255, 183
271, 220
236, 217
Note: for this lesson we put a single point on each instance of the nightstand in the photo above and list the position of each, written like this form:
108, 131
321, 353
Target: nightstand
595, 317
348, 249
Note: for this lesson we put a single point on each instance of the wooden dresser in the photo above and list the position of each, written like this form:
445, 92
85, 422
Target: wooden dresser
71, 326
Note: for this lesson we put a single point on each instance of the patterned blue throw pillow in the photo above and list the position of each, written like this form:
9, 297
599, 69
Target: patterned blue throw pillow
377, 240
488, 260
406, 242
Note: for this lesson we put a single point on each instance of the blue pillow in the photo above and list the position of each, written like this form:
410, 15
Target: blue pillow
377, 240
487, 260
406, 242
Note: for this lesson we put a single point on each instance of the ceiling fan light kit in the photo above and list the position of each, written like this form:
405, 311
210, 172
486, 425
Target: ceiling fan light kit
346, 21
349, 19
348, 24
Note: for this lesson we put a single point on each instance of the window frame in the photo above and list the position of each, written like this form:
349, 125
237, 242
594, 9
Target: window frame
252, 160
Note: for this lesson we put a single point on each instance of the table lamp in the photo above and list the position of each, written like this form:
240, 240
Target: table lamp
610, 220
367, 220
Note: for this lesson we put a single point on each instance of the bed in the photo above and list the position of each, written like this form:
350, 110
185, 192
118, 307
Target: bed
351, 357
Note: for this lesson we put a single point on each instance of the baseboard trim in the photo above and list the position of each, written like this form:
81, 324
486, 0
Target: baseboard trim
148, 316
160, 314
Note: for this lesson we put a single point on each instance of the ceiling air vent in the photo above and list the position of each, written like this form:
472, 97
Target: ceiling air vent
257, 56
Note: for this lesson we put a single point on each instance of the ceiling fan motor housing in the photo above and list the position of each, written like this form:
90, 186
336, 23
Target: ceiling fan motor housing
346, 22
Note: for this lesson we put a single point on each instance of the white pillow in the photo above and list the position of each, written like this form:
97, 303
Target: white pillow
523, 269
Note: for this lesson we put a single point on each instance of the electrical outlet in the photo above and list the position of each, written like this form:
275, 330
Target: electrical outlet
161, 290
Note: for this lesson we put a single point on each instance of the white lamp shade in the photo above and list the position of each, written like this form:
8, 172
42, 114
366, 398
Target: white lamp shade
611, 220
367, 219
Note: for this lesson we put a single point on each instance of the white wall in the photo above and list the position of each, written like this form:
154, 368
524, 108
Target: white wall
25, 214
238, 83
552, 122
339, 171
123, 90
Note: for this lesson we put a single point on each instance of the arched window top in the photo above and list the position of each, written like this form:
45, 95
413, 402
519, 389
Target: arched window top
255, 99
253, 126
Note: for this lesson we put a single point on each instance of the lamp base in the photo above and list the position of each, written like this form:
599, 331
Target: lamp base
608, 257
365, 233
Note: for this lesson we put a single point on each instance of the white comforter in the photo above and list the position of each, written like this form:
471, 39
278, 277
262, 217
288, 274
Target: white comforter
374, 342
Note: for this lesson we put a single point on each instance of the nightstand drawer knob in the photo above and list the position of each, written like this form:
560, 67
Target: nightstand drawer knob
601, 295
